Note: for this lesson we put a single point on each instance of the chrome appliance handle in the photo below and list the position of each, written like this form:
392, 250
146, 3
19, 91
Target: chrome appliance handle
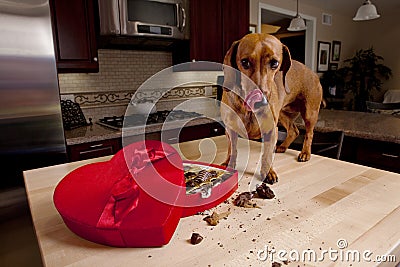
182, 22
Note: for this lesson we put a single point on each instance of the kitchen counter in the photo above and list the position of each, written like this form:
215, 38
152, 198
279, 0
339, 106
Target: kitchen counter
98, 132
320, 205
373, 126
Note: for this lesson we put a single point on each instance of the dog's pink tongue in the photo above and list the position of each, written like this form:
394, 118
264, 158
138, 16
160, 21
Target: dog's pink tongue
252, 98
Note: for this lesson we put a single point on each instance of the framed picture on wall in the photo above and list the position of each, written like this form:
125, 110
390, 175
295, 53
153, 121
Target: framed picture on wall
323, 56
333, 66
336, 46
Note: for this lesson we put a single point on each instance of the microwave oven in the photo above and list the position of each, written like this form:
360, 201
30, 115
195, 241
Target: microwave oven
157, 18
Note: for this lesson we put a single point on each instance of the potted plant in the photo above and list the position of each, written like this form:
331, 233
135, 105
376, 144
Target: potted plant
363, 73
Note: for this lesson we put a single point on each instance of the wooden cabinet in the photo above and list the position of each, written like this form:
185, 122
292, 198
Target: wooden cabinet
112, 146
376, 154
192, 133
93, 149
74, 35
381, 155
215, 25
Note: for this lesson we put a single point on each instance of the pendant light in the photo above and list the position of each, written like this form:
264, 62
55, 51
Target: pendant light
366, 12
297, 23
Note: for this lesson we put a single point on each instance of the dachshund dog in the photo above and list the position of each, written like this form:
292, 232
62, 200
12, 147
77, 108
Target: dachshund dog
262, 84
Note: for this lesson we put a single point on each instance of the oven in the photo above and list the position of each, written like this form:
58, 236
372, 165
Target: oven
139, 120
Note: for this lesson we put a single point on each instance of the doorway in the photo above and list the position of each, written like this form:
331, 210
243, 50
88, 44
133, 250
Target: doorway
301, 44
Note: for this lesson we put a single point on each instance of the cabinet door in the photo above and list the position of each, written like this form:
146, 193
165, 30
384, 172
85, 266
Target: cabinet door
235, 21
93, 149
206, 30
74, 35
215, 25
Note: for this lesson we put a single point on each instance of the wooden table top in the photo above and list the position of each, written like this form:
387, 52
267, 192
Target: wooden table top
319, 205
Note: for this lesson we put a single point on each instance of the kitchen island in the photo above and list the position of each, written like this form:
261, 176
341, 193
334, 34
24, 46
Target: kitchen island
321, 205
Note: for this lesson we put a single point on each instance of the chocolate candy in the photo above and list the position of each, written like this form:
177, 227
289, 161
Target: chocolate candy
196, 238
264, 191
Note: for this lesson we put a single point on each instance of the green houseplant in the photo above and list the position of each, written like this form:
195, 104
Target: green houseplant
363, 73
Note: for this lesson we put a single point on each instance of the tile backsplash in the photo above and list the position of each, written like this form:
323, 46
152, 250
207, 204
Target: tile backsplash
122, 72
119, 70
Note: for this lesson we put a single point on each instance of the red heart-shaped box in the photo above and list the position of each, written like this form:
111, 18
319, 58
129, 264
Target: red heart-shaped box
113, 204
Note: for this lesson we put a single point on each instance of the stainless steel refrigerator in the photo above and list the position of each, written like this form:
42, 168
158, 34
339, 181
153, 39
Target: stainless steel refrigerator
31, 130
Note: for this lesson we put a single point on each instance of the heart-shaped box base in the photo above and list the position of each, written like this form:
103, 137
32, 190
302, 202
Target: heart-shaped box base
105, 202
195, 203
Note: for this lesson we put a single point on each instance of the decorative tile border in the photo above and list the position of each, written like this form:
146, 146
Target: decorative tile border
101, 99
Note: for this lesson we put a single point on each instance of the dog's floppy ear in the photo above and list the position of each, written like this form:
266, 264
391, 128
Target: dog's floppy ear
231, 77
285, 65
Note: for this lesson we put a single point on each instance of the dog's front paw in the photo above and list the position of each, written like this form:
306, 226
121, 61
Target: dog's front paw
280, 149
304, 156
271, 177
228, 164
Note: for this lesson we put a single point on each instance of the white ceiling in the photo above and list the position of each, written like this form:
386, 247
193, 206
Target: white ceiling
349, 7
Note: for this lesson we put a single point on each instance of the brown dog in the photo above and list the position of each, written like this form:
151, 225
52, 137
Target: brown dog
268, 82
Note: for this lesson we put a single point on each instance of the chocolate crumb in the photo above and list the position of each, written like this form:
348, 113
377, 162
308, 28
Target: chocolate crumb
276, 264
264, 191
214, 218
149, 256
243, 199
196, 238
286, 262
268, 219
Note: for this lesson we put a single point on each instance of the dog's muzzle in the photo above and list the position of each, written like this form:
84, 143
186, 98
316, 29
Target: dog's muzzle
255, 100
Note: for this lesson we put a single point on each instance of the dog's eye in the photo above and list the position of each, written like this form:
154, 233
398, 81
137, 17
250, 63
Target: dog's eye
274, 64
245, 63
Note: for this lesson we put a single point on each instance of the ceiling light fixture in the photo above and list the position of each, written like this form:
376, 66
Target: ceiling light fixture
297, 23
366, 12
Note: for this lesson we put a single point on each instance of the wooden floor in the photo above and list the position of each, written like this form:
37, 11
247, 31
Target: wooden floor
19, 246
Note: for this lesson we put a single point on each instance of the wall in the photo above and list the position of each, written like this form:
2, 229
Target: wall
122, 72
383, 34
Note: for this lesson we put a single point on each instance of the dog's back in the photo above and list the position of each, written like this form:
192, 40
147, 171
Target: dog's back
304, 85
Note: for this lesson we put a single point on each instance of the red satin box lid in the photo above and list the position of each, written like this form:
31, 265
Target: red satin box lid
135, 199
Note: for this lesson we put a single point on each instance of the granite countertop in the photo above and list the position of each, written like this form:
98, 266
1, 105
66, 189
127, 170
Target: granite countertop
373, 126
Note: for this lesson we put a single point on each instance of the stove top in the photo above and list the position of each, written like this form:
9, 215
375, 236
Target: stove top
117, 122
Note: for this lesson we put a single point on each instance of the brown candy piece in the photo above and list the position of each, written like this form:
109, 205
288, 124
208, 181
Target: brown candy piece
196, 238
244, 200
214, 218
264, 191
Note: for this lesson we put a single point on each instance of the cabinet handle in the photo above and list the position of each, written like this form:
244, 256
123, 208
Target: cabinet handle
390, 155
173, 139
98, 145
95, 59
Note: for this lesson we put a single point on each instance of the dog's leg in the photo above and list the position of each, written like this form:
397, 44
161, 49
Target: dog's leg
287, 120
267, 173
232, 149
310, 117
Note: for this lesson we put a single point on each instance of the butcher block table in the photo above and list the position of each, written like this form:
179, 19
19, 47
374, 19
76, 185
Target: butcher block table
325, 213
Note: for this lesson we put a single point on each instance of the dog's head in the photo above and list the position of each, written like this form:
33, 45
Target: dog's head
264, 60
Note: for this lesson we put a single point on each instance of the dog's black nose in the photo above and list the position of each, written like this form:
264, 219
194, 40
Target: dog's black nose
262, 103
